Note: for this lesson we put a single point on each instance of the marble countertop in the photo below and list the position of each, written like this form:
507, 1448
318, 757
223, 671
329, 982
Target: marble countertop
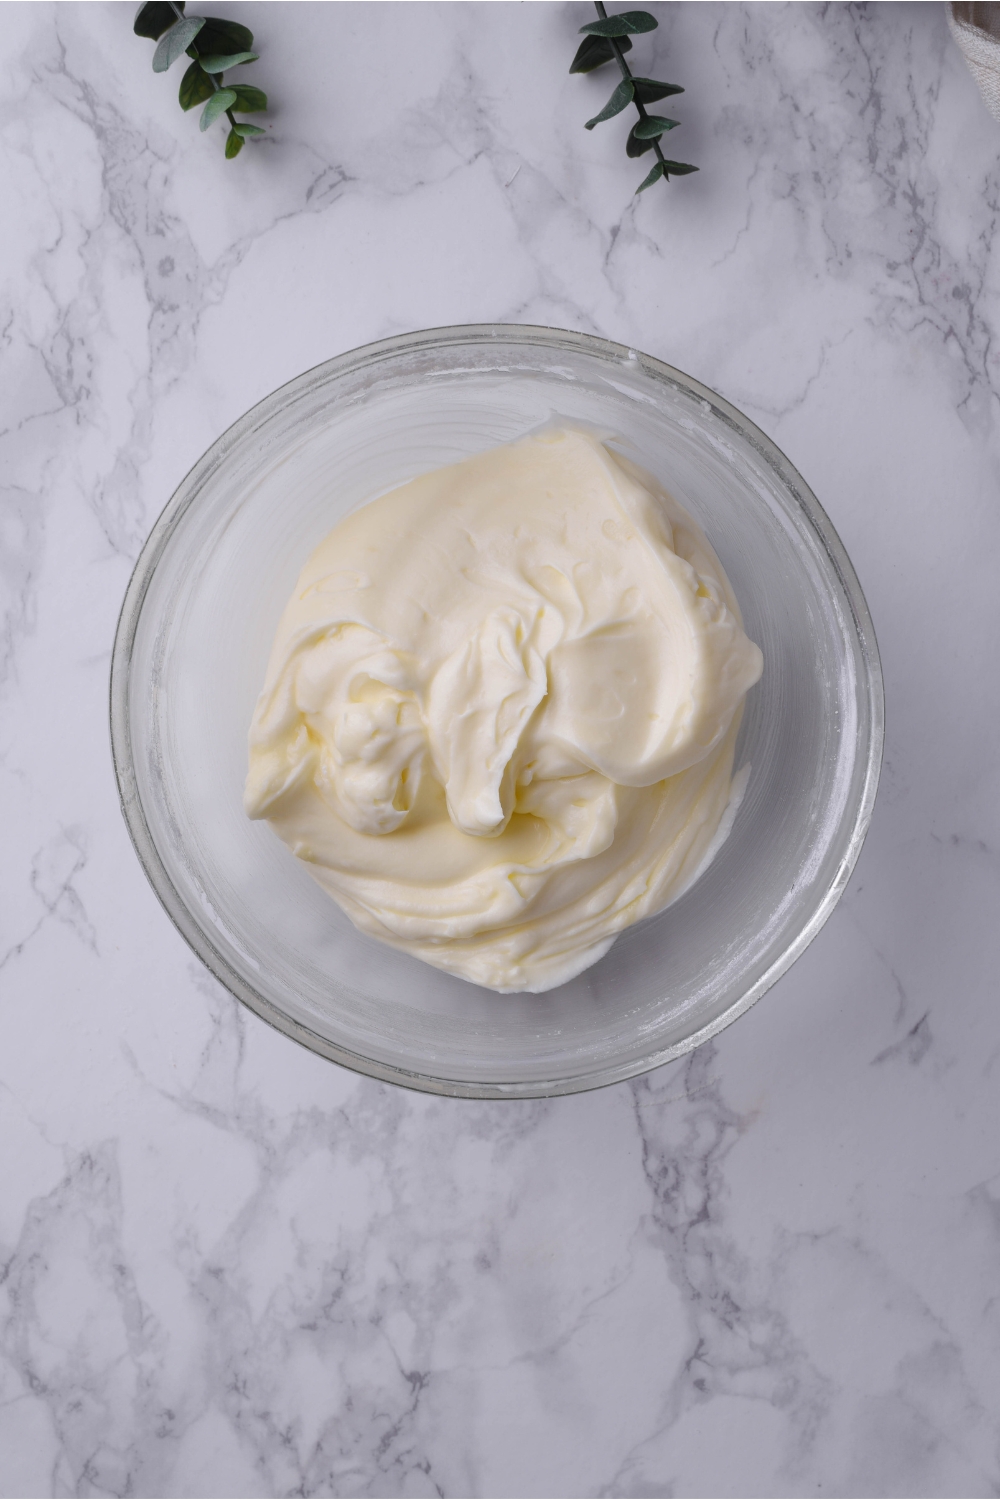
229, 1267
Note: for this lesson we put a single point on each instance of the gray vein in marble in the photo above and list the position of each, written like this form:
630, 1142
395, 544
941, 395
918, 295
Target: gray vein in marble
53, 871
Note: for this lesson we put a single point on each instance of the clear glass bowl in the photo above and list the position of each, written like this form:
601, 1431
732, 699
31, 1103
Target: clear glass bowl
189, 659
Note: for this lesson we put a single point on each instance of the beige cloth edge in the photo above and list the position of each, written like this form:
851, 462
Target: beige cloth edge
975, 25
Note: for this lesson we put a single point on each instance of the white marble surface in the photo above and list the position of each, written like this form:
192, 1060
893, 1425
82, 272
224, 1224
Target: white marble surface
230, 1268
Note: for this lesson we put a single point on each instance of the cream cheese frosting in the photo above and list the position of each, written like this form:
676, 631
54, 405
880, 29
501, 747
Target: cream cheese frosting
500, 711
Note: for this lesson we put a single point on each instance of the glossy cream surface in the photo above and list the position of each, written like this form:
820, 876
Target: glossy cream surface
500, 710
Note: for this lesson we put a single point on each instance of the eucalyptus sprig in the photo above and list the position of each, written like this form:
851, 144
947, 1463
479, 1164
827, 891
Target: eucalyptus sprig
215, 46
607, 39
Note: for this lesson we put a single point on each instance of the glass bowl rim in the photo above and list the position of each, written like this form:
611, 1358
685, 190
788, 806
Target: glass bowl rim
186, 493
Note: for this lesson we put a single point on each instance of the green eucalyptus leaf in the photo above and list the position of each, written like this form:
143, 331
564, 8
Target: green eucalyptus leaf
678, 168
154, 18
249, 99
196, 87
653, 126
654, 176
216, 106
594, 51
620, 99
218, 62
635, 145
648, 90
626, 23
234, 144
223, 36
173, 43
243, 128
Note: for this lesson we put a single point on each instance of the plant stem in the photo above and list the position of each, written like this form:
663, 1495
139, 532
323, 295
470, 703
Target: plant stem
215, 82
626, 75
